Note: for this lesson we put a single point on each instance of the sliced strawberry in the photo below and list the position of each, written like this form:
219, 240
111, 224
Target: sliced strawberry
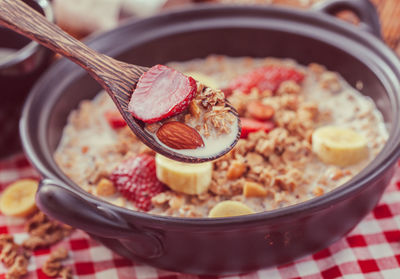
115, 119
161, 93
251, 125
265, 78
136, 179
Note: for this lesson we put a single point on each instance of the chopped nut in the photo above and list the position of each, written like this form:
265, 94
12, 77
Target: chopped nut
290, 102
338, 174
318, 191
176, 202
153, 127
44, 232
144, 149
9, 253
252, 189
235, 187
260, 111
316, 68
105, 188
161, 198
330, 81
33, 242
254, 159
85, 149
35, 221
187, 118
5, 239
290, 180
288, 87
19, 268
14, 257
53, 267
59, 254
206, 132
194, 109
236, 170
66, 273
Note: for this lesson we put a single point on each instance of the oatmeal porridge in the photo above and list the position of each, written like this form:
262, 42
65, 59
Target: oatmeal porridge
305, 131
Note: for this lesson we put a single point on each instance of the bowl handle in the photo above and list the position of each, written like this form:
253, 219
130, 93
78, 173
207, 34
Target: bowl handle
64, 204
364, 9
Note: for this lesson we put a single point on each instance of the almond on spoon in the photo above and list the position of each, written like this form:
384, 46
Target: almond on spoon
178, 135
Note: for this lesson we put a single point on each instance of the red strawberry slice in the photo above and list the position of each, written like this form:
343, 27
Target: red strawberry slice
265, 78
161, 93
115, 119
251, 125
136, 179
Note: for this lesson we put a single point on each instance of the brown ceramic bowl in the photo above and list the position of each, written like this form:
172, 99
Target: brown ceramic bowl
222, 245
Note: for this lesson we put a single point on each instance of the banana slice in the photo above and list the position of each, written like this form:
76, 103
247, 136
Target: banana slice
229, 209
204, 79
183, 177
339, 146
18, 199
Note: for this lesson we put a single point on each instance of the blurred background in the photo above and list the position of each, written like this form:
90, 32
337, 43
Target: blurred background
82, 17
22, 62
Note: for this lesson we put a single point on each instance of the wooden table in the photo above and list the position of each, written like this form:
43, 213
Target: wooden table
389, 11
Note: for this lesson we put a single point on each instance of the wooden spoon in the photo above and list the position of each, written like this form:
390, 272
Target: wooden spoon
117, 78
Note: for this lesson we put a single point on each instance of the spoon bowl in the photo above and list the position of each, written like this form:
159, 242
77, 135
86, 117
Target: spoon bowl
119, 79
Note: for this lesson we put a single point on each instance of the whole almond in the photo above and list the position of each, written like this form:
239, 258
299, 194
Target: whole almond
178, 135
260, 111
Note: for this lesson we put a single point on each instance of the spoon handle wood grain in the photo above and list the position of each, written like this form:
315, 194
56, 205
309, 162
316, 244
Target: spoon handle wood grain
119, 79
18, 16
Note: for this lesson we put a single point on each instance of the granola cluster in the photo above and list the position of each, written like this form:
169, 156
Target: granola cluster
14, 257
43, 232
208, 111
53, 266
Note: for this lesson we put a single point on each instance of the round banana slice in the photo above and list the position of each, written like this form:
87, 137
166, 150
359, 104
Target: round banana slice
229, 209
183, 177
339, 146
18, 199
204, 79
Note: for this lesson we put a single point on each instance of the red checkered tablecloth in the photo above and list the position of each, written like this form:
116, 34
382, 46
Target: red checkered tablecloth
371, 250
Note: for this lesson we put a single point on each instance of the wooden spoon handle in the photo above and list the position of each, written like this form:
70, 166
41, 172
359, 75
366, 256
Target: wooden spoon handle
18, 16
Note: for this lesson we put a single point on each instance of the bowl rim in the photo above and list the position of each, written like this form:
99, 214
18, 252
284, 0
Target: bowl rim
342, 192
29, 49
